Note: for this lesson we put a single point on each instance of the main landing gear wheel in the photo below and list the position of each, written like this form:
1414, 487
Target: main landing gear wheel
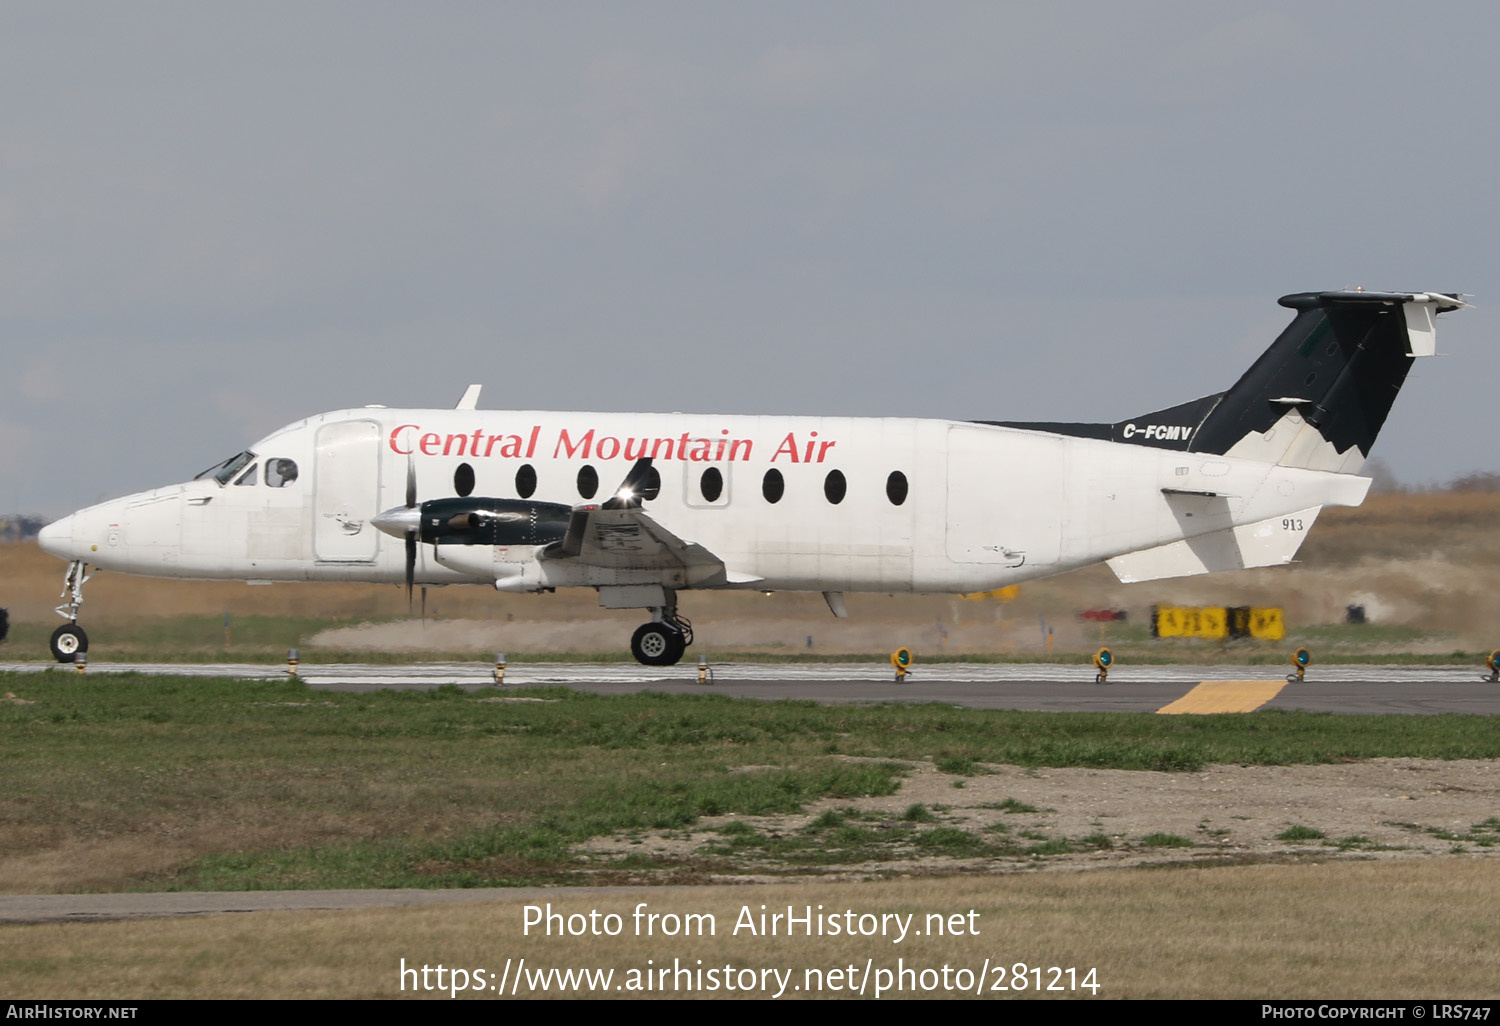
68, 641
657, 644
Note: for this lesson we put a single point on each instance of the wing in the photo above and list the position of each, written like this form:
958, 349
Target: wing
618, 534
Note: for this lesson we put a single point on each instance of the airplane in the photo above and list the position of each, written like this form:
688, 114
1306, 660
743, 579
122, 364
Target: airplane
512, 499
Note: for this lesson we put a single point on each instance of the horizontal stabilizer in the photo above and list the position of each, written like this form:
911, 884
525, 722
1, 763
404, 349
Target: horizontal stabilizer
1266, 543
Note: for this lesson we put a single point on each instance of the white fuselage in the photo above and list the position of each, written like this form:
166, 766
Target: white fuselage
982, 506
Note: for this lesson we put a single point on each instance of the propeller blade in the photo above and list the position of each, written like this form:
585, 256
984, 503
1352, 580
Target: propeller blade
643, 482
411, 566
413, 528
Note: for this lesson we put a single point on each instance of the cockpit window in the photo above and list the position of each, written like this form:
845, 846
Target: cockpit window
247, 478
223, 472
280, 472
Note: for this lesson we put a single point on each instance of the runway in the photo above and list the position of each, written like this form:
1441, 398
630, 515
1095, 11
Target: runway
96, 908
1043, 687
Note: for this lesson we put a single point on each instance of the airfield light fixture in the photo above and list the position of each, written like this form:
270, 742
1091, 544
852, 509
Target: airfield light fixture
1103, 660
901, 660
1300, 661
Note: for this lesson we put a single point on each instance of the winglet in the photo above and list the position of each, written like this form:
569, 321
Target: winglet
470, 398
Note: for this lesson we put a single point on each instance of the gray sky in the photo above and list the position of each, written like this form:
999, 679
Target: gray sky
217, 218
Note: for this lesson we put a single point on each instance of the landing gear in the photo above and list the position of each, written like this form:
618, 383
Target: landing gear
69, 640
657, 644
662, 641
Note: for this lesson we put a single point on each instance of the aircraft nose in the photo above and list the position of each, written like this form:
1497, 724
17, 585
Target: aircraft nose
57, 538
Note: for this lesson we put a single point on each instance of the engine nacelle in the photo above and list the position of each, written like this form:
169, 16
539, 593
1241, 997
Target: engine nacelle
525, 577
482, 521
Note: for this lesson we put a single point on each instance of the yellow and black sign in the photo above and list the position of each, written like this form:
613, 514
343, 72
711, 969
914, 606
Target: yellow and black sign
1266, 623
1263, 622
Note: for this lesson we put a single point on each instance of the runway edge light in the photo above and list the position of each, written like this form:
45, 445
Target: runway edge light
901, 660
1300, 661
1103, 660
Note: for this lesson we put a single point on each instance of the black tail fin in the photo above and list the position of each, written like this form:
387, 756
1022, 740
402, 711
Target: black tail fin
1316, 398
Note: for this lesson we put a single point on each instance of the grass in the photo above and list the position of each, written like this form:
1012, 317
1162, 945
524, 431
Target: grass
133, 781
1485, 834
1406, 931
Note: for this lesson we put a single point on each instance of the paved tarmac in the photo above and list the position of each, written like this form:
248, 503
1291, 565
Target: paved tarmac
95, 908
1051, 686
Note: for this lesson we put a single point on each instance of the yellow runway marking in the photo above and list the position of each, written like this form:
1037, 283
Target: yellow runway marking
1226, 696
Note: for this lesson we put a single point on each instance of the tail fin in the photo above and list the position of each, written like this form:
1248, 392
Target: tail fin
1316, 399
1319, 396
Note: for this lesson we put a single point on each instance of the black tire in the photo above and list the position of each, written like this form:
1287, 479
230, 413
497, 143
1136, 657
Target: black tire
657, 644
67, 641
679, 647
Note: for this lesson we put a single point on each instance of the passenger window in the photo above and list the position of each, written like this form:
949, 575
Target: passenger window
526, 481
711, 484
280, 473
651, 484
588, 481
834, 487
463, 480
248, 477
895, 488
773, 486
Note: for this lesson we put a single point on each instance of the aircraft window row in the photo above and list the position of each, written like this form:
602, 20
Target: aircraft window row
588, 482
710, 483
835, 487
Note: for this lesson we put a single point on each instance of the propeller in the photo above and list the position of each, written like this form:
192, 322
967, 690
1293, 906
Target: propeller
405, 522
412, 528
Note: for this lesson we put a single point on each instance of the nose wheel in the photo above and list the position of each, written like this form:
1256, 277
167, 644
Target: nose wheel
67, 642
658, 644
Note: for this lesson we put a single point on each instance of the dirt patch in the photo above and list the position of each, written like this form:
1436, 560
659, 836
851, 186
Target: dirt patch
1019, 819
